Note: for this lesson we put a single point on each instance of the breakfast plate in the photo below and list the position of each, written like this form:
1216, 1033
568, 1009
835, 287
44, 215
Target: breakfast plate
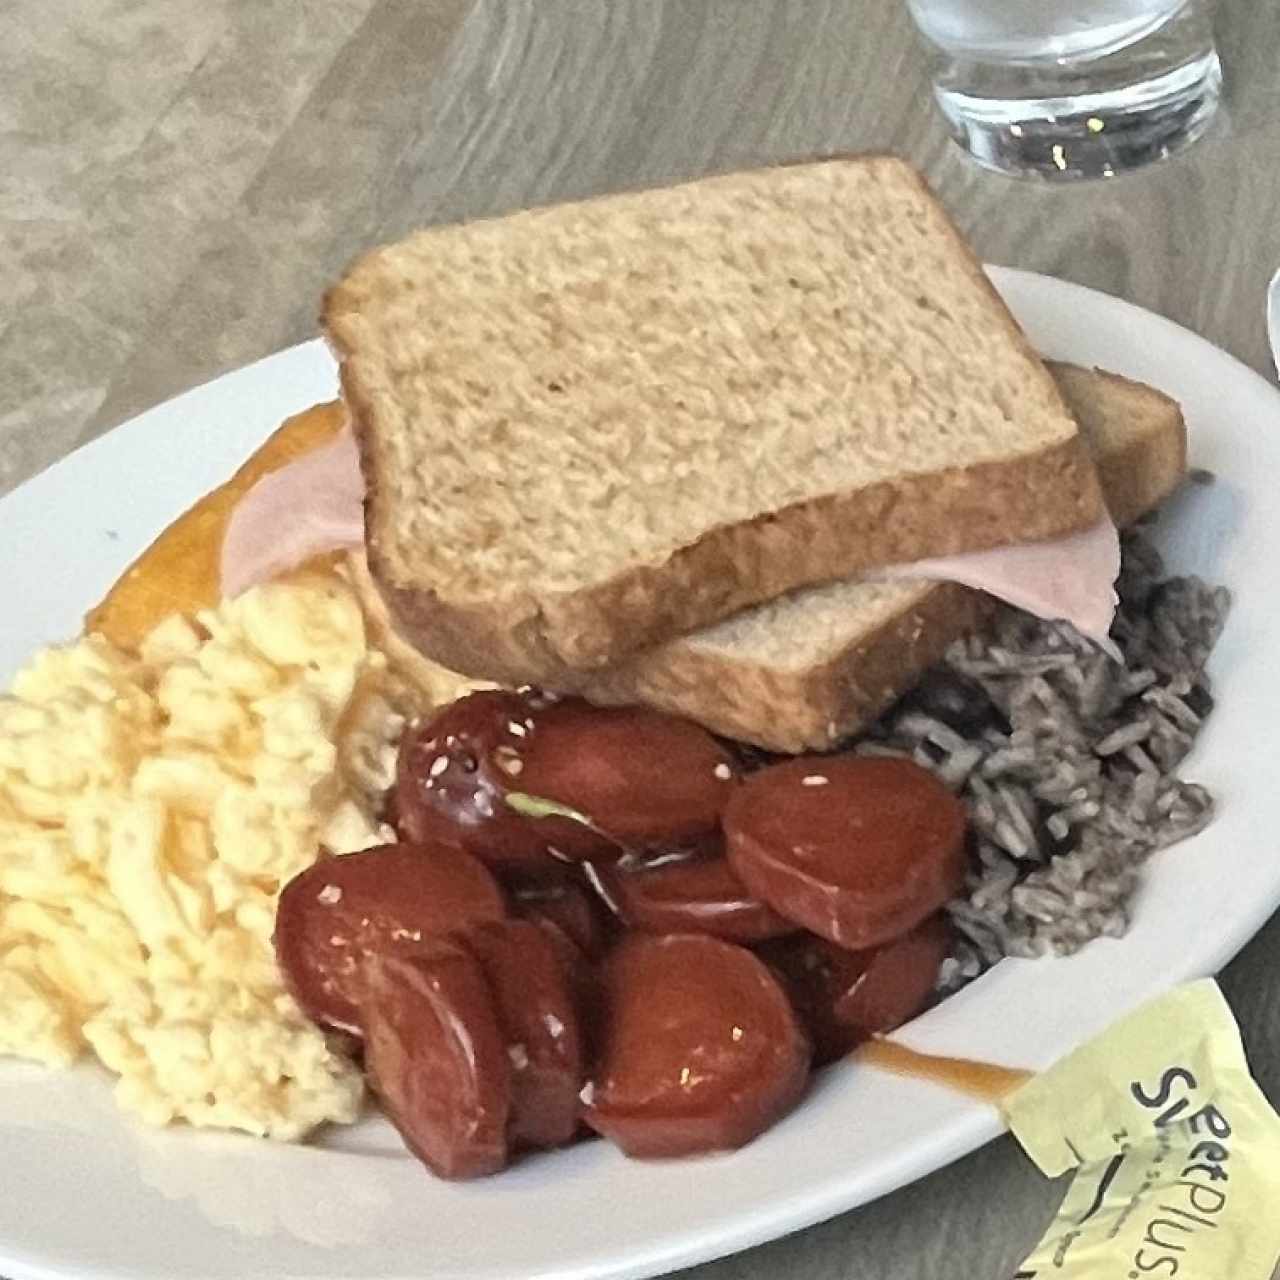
90, 1194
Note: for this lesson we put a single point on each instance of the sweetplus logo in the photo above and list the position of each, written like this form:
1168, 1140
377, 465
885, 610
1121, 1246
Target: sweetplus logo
1193, 1201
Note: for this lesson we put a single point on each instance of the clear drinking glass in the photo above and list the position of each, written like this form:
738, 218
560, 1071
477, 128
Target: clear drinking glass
1072, 88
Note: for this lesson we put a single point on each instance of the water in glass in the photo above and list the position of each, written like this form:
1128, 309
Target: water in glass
1065, 88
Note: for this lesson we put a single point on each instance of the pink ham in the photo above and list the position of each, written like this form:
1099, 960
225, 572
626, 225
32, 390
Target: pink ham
315, 505
1072, 578
311, 506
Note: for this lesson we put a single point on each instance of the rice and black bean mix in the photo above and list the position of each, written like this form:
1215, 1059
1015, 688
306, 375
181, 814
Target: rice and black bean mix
1067, 760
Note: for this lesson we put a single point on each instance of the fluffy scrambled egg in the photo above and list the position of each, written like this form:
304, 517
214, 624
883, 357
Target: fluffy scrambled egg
151, 808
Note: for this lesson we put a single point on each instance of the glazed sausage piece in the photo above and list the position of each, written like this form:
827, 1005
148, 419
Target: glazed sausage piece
381, 901
855, 849
699, 1048
565, 904
637, 777
645, 778
687, 891
535, 995
435, 1055
844, 997
452, 776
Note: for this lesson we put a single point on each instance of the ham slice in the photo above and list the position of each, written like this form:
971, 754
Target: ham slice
316, 505
309, 507
1071, 578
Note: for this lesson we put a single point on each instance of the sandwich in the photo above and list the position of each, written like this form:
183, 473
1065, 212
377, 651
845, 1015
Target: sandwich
538, 487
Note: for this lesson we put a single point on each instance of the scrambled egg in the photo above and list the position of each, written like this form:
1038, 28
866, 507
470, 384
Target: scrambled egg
151, 808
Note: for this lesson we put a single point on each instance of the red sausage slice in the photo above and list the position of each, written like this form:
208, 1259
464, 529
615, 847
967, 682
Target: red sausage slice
452, 777
383, 901
857, 850
638, 777
699, 1047
436, 1057
567, 905
687, 891
535, 997
844, 997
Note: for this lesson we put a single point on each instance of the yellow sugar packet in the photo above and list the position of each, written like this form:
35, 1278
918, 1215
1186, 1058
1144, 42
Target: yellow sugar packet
1177, 1149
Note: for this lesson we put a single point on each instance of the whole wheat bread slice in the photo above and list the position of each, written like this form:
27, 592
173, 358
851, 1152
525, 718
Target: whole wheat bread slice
810, 668
590, 428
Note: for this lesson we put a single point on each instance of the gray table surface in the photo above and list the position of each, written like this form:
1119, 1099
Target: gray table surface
179, 182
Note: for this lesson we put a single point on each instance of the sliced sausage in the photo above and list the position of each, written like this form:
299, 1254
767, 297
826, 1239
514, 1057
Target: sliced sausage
452, 777
899, 979
565, 903
477, 774
382, 901
687, 891
855, 849
581, 971
699, 1048
436, 1057
843, 997
535, 995
644, 778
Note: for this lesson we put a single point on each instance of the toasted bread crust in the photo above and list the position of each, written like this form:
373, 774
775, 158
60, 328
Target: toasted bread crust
1135, 479
517, 639
801, 709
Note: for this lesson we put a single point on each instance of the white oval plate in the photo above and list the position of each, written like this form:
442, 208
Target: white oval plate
88, 1194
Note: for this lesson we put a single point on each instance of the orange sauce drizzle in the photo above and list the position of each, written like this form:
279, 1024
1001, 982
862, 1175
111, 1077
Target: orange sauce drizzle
982, 1080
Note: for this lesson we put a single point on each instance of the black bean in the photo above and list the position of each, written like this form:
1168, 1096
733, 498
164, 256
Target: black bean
960, 703
1199, 699
1163, 594
1051, 845
1119, 765
748, 756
